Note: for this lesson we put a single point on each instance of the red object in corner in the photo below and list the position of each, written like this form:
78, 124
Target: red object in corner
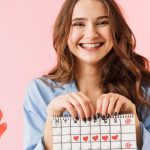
1, 115
3, 126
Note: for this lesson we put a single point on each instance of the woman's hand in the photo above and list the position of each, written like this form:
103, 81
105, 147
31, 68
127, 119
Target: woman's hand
113, 103
74, 103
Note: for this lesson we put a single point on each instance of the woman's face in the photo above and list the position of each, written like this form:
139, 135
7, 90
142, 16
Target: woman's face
90, 38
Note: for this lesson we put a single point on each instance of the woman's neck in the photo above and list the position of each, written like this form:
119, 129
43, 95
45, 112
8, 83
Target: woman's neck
88, 78
88, 82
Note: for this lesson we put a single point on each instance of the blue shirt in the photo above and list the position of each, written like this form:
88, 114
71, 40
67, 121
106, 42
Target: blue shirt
39, 94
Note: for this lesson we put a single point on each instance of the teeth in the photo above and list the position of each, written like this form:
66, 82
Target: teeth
91, 45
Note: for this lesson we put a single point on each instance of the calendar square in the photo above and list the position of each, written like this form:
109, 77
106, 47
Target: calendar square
105, 129
85, 138
105, 145
115, 129
115, 137
85, 130
65, 131
85, 146
95, 138
95, 145
75, 130
75, 138
105, 137
129, 144
56, 131
76, 146
115, 145
56, 139
57, 146
128, 137
95, 129
66, 146
66, 138
128, 128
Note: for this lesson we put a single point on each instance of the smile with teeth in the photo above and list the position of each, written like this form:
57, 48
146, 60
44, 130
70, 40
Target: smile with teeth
93, 45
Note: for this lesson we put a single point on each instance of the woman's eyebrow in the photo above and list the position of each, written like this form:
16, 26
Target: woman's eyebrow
80, 19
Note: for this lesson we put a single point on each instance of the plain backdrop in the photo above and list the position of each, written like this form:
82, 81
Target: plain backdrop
26, 52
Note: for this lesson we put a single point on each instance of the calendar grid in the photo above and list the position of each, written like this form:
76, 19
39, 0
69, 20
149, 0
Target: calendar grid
114, 132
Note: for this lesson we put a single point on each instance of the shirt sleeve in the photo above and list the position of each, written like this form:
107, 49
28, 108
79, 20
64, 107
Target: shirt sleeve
145, 124
146, 137
35, 115
145, 130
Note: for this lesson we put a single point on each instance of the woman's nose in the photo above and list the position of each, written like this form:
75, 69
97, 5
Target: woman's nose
91, 32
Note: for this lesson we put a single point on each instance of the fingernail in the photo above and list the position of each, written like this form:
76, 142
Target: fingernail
84, 119
98, 115
77, 118
89, 119
94, 117
116, 113
107, 115
103, 117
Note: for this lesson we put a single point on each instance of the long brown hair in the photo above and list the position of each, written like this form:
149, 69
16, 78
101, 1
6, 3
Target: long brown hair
123, 71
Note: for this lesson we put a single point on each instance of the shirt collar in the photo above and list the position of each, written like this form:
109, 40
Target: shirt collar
71, 86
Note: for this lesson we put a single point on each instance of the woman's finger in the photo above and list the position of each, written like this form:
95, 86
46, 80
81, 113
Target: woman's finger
76, 104
90, 103
119, 104
105, 103
70, 108
99, 105
84, 103
112, 103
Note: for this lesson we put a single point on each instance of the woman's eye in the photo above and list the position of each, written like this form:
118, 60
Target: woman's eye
103, 23
78, 24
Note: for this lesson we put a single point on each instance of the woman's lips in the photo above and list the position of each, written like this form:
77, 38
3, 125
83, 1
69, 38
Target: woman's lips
91, 49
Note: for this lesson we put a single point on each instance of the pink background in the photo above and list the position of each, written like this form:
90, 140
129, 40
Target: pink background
26, 52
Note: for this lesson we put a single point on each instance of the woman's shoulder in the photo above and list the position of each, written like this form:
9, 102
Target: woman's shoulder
39, 92
42, 81
42, 84
43, 90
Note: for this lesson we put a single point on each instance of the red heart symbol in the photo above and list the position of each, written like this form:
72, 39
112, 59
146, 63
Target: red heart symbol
95, 138
114, 137
105, 137
76, 138
85, 138
3, 126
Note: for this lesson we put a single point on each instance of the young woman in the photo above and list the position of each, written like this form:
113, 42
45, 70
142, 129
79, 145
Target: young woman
97, 73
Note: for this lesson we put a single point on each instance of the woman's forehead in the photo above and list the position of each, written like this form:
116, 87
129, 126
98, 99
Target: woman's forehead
85, 8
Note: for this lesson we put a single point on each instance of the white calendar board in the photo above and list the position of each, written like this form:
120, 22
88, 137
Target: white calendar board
111, 133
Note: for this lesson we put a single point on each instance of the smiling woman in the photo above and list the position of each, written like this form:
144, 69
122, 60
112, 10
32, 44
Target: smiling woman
97, 73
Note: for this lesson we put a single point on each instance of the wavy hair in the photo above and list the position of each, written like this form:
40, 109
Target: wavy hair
123, 71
